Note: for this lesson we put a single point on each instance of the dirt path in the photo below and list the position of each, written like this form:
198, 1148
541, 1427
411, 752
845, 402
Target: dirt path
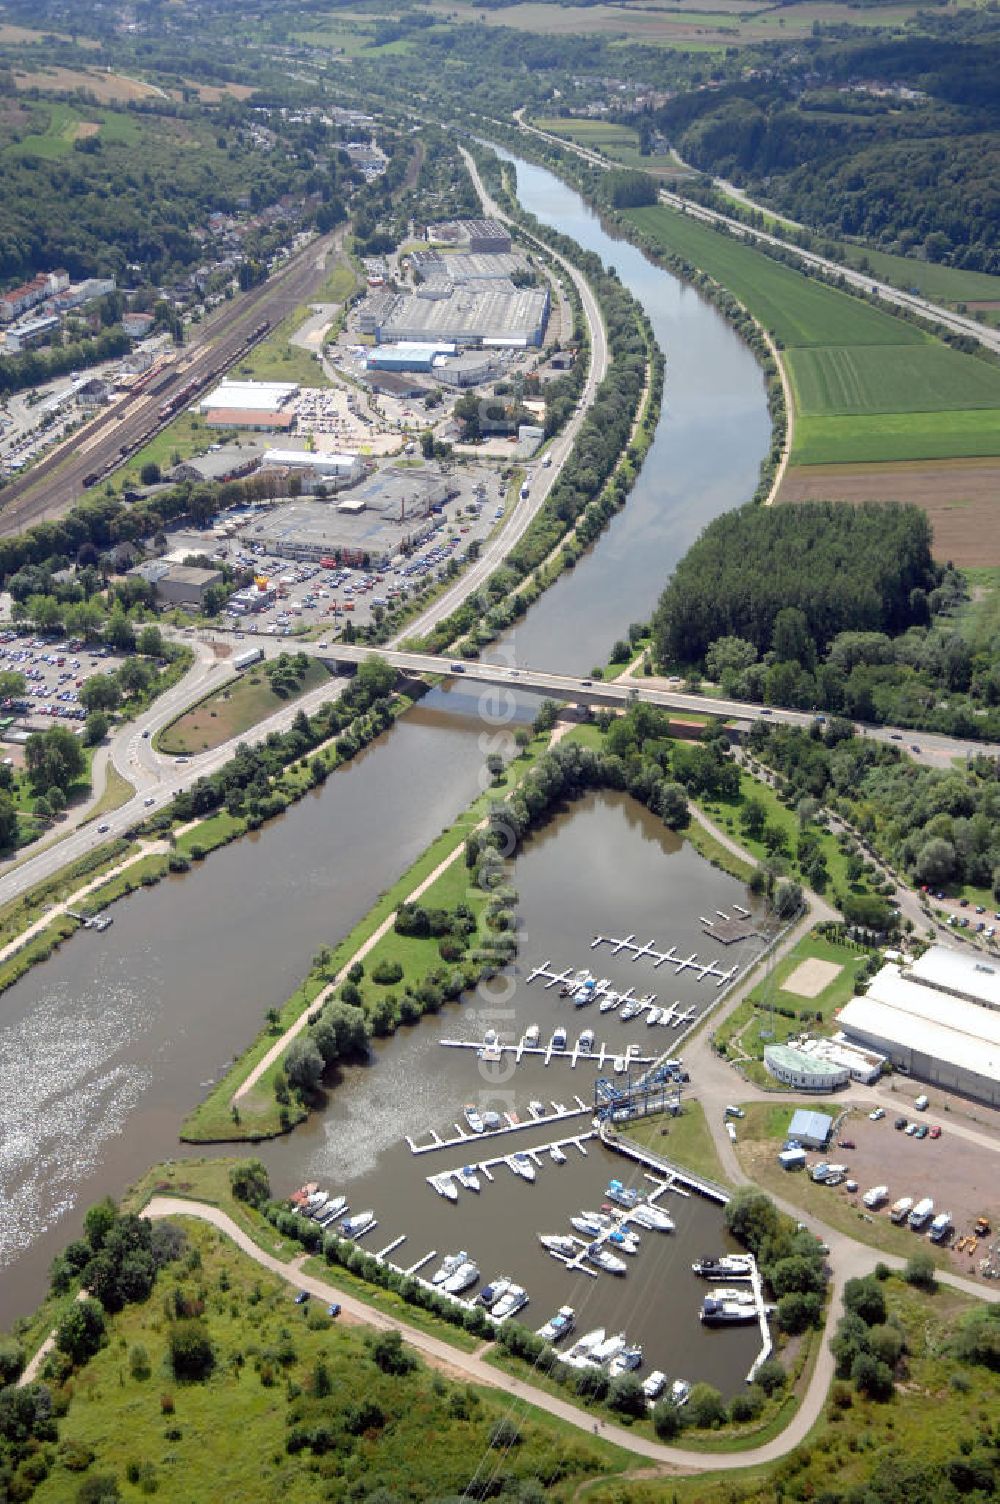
150, 848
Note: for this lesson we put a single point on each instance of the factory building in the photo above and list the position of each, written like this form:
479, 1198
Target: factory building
408, 355
178, 584
468, 316
316, 469
460, 268
486, 236
937, 1019
257, 406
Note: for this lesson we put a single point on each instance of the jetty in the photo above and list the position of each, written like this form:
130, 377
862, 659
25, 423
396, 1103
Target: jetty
669, 956
538, 1156
598, 1055
513, 1124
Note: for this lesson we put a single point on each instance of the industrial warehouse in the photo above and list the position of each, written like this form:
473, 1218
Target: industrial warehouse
937, 1018
392, 512
476, 314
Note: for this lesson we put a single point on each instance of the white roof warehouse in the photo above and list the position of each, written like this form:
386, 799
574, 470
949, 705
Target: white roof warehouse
936, 1019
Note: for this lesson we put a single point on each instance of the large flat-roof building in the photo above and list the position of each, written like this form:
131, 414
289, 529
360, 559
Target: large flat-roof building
795, 1067
938, 1019
468, 315
487, 236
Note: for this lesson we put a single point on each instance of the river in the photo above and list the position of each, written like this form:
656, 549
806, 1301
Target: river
105, 1047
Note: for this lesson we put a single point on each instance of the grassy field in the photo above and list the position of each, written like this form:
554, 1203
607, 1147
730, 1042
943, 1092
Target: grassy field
687, 1140
620, 142
868, 387
897, 436
225, 1437
233, 709
117, 791
980, 619
890, 379
751, 1026
941, 284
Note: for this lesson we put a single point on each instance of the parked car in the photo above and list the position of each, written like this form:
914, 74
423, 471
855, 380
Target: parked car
899, 1123
936, 1131
922, 1131
877, 1114
333, 1309
302, 1297
846, 1143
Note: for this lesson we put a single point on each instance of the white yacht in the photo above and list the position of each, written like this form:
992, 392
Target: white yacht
627, 1361
556, 1155
358, 1225
560, 1243
515, 1299
531, 1035
465, 1275
472, 1117
559, 1038
445, 1186
586, 1042
448, 1266
585, 1345
607, 1350
654, 1386
680, 1392
604, 1259
610, 1000
491, 1293
467, 1178
521, 1165
652, 1218
653, 1016
558, 1326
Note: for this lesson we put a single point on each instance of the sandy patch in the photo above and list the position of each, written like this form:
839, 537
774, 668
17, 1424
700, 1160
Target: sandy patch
811, 977
959, 497
86, 128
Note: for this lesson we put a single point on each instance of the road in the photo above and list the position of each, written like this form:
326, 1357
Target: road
56, 482
956, 322
157, 778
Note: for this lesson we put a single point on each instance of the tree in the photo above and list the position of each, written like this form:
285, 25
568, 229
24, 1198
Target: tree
865, 1298
134, 676
787, 898
95, 728
53, 757
667, 1420
100, 692
149, 642
706, 1408
192, 1355
672, 805
627, 1397
99, 1221
729, 655
303, 1065
150, 473
920, 1271
8, 822
935, 862
11, 1360
250, 1182
79, 1333
389, 1354
751, 1216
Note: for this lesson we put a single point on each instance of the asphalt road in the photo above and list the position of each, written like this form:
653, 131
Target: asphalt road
56, 482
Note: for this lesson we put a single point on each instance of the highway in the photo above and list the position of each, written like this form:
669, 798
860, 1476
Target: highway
956, 322
52, 486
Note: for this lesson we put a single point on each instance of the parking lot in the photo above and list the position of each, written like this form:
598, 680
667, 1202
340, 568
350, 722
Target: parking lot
961, 1178
317, 600
54, 674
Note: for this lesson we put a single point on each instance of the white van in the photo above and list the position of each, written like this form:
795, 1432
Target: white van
922, 1103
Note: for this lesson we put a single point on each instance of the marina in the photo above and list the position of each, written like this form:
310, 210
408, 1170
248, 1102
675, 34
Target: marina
582, 1050
701, 969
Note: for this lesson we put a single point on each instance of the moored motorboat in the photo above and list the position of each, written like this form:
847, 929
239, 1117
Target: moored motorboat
607, 1350
652, 1218
467, 1178
604, 1259
473, 1118
585, 1345
589, 1224
630, 1009
514, 1300
556, 1155
653, 1015
448, 1265
680, 1392
491, 1293
744, 1297
725, 1312
622, 1195
623, 1241
559, 1243
559, 1038
629, 1359
317, 1204
358, 1225
586, 1042
465, 1275
536, 1108
610, 1000
654, 1385
521, 1165
726, 1266
558, 1326
531, 1035
445, 1186
492, 1121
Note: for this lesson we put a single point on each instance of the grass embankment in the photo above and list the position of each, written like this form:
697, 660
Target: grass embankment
685, 1140
759, 1137
867, 386
117, 791
212, 1120
753, 1024
279, 1367
240, 704
928, 1422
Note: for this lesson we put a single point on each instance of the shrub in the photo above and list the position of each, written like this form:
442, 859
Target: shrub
386, 973
389, 1354
919, 1271
505, 1434
192, 1356
667, 1421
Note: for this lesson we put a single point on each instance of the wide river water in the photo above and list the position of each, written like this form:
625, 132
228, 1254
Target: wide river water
105, 1047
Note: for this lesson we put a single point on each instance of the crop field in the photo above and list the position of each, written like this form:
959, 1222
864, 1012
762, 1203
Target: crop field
797, 310
928, 378
868, 388
108, 88
692, 26
897, 436
942, 284
620, 142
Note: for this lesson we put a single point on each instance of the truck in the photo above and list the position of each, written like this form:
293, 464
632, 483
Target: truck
525, 490
940, 1227
245, 659
900, 1210
876, 1196
921, 1214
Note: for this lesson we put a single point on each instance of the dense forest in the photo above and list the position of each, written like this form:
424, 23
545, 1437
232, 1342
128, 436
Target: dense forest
866, 568
896, 140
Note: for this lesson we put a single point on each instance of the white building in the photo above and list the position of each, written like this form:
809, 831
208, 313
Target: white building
938, 1019
250, 396
861, 1065
794, 1067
